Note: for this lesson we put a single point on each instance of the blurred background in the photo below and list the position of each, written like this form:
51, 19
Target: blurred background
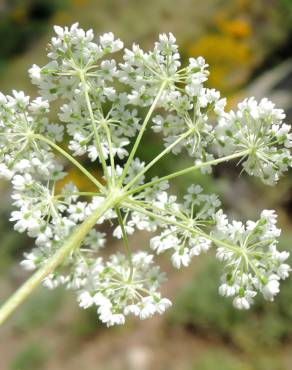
248, 46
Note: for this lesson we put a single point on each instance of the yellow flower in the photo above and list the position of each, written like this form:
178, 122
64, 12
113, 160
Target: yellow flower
81, 181
230, 60
236, 28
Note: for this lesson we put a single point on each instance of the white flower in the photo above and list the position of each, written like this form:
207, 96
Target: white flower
35, 73
106, 316
18, 101
271, 288
77, 211
5, 172
59, 31
244, 303
118, 231
199, 245
100, 300
109, 44
181, 258
148, 308
85, 300
26, 220
163, 242
95, 239
20, 182
227, 290
162, 305
224, 254
30, 261
257, 128
132, 309
283, 270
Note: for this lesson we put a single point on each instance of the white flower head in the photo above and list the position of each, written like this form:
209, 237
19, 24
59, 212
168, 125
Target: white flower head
104, 108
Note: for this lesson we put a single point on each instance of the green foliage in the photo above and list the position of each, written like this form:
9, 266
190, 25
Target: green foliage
39, 310
12, 243
22, 21
213, 359
85, 323
32, 357
219, 359
199, 306
9, 248
287, 6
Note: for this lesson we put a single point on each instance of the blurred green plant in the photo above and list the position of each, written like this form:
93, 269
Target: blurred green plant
21, 22
215, 359
287, 4
39, 310
85, 323
32, 357
265, 326
9, 249
219, 359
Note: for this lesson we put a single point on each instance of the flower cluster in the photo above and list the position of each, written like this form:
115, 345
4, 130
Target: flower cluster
50, 218
100, 111
256, 265
72, 53
182, 235
20, 122
117, 290
259, 129
78, 63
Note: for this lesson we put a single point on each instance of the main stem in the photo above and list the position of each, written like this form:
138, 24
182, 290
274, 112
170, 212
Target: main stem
68, 247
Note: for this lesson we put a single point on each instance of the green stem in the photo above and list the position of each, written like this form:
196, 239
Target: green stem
111, 154
96, 134
131, 205
126, 242
79, 193
71, 159
156, 159
141, 132
187, 170
72, 243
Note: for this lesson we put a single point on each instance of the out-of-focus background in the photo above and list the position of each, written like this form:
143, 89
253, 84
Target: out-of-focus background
248, 46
